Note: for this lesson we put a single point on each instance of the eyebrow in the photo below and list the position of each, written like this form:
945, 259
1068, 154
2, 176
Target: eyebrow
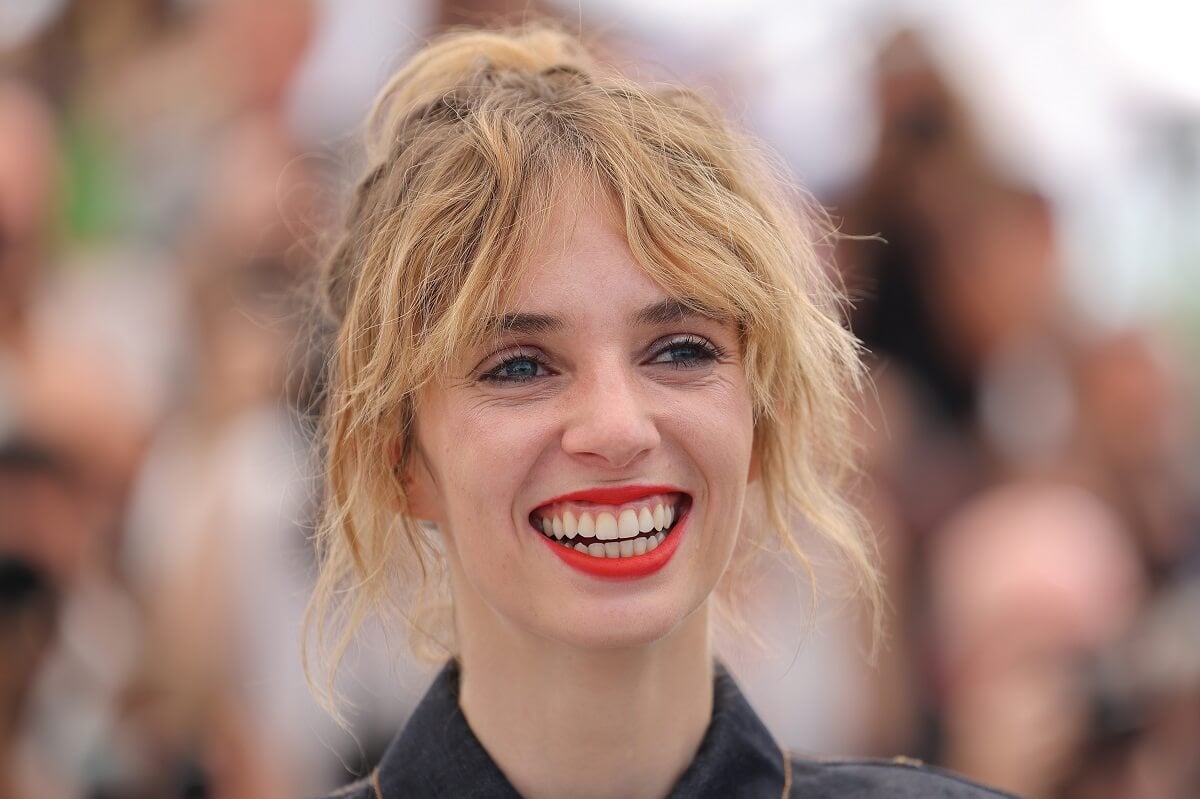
528, 323
663, 312
668, 311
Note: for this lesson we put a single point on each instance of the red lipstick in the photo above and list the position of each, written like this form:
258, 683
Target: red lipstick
615, 495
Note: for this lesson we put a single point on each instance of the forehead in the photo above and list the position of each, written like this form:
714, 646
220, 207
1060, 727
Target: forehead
580, 258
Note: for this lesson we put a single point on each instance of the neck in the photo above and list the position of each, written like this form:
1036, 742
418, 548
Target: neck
562, 721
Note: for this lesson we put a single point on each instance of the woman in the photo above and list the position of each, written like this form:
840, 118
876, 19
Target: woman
575, 332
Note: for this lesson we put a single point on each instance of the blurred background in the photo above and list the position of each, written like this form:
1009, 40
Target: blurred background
168, 169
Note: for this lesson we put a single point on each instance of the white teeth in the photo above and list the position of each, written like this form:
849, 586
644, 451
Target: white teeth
606, 527
645, 520
634, 531
627, 526
623, 548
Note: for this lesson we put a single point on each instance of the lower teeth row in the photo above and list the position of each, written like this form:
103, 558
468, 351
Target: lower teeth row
625, 548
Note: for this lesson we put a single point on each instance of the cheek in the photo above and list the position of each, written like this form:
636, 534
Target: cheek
719, 432
486, 454
728, 415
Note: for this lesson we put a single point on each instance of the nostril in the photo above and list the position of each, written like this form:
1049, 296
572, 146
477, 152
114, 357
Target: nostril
613, 425
614, 449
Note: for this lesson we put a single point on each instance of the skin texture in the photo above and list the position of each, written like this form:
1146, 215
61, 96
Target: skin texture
559, 665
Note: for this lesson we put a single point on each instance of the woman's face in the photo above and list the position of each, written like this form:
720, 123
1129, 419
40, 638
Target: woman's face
587, 466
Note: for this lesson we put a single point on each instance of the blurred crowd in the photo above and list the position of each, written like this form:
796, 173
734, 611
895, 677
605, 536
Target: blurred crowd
1033, 477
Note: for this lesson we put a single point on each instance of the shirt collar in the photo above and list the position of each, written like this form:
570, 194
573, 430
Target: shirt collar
436, 754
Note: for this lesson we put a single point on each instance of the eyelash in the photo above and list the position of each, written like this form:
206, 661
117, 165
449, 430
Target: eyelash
706, 352
494, 375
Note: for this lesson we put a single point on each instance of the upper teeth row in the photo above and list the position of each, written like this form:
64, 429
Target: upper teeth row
607, 527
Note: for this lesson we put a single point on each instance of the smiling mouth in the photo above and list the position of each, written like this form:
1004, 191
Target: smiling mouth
612, 531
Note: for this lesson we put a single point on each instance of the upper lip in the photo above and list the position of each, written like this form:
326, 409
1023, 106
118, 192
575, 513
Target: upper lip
614, 495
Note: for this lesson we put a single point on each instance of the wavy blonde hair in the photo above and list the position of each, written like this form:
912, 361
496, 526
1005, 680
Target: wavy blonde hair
466, 145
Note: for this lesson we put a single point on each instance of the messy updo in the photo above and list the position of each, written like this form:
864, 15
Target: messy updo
467, 146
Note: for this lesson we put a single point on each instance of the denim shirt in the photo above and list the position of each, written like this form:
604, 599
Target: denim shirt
437, 755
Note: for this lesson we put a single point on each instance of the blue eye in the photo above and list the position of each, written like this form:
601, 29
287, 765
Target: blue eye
515, 369
685, 352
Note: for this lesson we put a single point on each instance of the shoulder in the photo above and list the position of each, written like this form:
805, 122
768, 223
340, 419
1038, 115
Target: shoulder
359, 789
901, 778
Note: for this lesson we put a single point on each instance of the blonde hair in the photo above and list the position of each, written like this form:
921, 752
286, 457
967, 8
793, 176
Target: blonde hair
466, 144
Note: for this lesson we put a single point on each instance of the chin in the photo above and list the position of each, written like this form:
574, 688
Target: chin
626, 623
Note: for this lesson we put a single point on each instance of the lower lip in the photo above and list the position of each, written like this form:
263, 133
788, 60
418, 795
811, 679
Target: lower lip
622, 568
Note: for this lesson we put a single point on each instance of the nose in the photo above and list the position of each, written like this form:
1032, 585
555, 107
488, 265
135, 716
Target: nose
610, 422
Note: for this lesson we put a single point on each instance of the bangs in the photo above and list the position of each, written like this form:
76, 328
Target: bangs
695, 237
473, 300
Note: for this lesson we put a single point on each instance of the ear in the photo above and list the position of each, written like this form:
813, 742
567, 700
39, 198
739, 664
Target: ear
423, 499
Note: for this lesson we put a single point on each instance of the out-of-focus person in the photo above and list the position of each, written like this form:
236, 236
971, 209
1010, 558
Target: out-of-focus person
1008, 441
1137, 436
55, 384
963, 272
1027, 582
42, 540
216, 543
